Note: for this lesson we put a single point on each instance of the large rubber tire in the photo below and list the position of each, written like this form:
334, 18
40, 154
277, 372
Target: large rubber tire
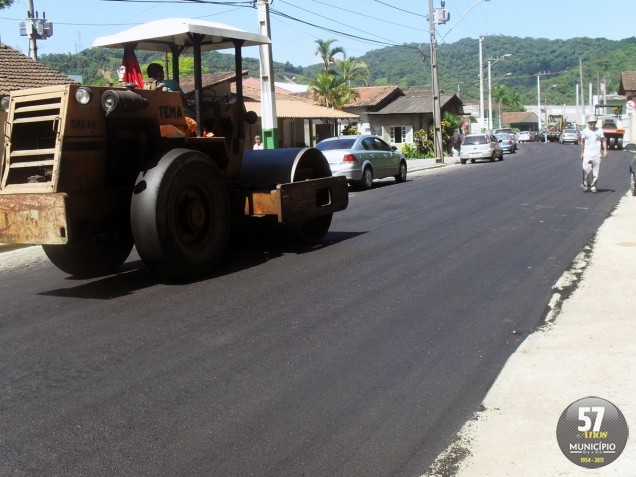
611, 143
90, 260
401, 176
619, 143
180, 215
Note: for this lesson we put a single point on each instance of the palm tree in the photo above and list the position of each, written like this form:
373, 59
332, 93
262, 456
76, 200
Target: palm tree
331, 91
514, 101
352, 69
499, 94
327, 53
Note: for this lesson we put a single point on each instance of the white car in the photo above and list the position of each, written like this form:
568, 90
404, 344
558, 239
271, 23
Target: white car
525, 136
480, 146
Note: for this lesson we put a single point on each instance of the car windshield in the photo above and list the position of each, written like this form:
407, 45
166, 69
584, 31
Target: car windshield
480, 139
335, 144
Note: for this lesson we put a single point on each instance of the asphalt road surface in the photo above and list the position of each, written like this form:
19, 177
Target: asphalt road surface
362, 357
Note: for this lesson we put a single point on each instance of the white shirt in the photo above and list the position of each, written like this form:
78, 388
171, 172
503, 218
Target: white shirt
258, 146
593, 141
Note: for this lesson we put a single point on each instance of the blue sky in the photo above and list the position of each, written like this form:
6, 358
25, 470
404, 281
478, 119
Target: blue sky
357, 25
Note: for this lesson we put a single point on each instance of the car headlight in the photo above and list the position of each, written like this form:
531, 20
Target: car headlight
83, 95
4, 103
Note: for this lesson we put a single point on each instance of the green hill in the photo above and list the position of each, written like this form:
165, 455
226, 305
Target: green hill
408, 65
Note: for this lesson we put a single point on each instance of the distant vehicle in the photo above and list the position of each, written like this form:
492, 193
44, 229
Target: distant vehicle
569, 135
525, 136
507, 131
363, 158
507, 142
503, 130
480, 146
609, 117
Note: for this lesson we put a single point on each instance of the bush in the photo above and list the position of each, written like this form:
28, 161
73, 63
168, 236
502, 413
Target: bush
409, 150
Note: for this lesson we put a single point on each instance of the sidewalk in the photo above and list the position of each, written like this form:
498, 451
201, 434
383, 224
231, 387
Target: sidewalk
413, 165
588, 349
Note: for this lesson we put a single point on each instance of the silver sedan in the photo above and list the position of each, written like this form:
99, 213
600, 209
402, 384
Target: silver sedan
363, 158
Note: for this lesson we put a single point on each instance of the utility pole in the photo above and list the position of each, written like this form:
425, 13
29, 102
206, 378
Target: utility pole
539, 101
269, 121
493, 60
582, 91
36, 29
481, 85
438, 16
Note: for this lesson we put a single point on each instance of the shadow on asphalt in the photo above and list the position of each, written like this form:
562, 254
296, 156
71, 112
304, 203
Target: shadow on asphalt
243, 254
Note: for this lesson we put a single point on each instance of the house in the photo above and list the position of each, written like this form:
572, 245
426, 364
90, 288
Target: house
397, 121
524, 120
301, 121
371, 99
628, 89
18, 71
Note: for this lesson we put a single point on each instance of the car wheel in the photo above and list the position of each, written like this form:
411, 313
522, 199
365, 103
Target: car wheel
472, 161
493, 157
401, 177
367, 179
463, 161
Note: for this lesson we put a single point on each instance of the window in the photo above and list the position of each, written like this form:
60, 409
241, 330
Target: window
397, 134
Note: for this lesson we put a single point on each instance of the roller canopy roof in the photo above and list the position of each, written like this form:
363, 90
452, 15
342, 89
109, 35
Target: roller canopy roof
161, 35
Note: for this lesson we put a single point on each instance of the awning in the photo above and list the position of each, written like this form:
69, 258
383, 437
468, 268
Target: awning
162, 35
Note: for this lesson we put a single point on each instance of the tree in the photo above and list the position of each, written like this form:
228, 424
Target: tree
331, 91
499, 94
514, 101
5, 3
352, 69
327, 53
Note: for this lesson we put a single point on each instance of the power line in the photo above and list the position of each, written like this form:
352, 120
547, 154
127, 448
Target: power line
400, 9
339, 23
369, 16
348, 35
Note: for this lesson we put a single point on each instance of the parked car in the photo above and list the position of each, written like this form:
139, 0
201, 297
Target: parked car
569, 135
503, 130
507, 142
480, 146
363, 158
525, 136
632, 167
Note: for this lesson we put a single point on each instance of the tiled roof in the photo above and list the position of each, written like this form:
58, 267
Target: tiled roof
628, 82
18, 71
414, 104
373, 95
519, 117
209, 80
294, 109
255, 83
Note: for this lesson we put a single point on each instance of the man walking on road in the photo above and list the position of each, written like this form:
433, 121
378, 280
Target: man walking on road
592, 140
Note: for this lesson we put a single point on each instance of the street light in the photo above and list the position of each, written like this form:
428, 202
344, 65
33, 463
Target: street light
492, 61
